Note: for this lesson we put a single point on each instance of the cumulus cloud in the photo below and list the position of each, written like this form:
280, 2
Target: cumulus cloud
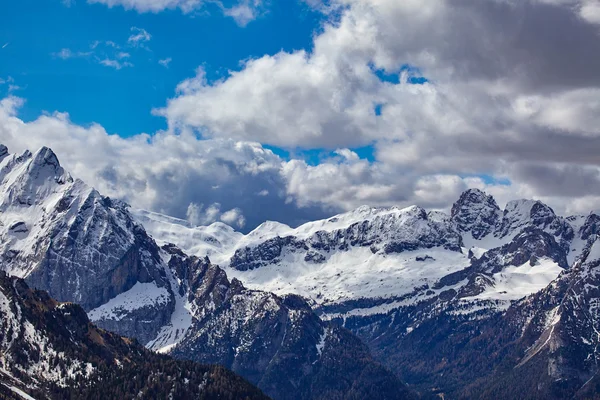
501, 88
242, 181
481, 58
234, 217
198, 215
244, 12
243, 184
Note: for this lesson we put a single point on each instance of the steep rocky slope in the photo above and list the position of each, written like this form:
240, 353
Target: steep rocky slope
64, 237
51, 350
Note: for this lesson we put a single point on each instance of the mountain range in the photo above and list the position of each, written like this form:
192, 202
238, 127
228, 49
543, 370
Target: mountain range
64, 237
482, 302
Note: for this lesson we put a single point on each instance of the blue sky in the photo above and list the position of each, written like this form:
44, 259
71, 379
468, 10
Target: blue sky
122, 100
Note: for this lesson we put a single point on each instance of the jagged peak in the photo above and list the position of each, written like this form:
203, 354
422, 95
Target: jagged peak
474, 196
415, 211
44, 164
438, 216
42, 158
476, 212
3, 151
591, 226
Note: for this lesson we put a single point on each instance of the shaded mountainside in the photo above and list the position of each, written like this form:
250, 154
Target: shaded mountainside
280, 344
542, 347
52, 349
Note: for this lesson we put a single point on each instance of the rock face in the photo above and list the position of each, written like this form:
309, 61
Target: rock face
51, 350
543, 346
62, 236
477, 213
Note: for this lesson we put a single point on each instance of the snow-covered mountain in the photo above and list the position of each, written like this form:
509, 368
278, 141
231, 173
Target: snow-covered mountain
390, 256
457, 304
542, 346
62, 236
66, 238
460, 304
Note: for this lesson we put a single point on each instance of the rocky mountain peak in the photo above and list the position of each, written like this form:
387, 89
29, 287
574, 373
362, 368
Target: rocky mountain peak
528, 209
476, 212
591, 226
521, 213
3, 151
416, 211
45, 165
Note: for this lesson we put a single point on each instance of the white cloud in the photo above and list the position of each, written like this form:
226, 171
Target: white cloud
165, 62
138, 36
65, 54
234, 218
503, 90
12, 86
115, 63
590, 11
109, 53
198, 215
243, 184
244, 12
162, 172
153, 6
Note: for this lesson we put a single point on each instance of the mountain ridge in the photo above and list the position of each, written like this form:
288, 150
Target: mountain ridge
64, 237
425, 307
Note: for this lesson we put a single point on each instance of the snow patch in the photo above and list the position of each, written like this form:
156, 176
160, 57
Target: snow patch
139, 296
516, 282
181, 321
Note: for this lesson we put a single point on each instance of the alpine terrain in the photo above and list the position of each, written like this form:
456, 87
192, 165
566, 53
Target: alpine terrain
63, 237
458, 305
